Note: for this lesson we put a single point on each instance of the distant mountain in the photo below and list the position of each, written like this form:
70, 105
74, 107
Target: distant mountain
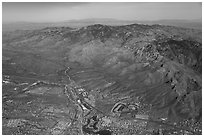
194, 24
69, 23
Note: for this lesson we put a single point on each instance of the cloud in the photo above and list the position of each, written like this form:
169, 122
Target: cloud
60, 11
37, 5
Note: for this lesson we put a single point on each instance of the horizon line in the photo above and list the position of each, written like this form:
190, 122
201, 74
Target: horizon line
199, 19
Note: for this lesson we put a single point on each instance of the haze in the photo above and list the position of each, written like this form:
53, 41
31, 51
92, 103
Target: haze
56, 12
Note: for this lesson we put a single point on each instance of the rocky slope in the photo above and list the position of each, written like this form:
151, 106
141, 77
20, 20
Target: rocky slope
145, 76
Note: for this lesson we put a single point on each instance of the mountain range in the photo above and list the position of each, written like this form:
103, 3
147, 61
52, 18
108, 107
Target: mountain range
102, 79
194, 24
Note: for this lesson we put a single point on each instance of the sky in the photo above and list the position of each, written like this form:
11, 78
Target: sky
56, 12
